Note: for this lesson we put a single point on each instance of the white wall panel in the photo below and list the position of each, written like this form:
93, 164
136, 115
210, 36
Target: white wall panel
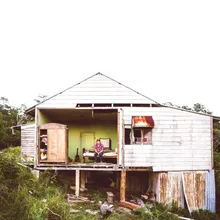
97, 89
180, 140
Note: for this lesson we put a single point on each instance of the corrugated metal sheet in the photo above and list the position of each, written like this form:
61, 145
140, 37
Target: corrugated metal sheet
27, 140
210, 201
180, 141
171, 188
194, 187
96, 89
197, 188
142, 121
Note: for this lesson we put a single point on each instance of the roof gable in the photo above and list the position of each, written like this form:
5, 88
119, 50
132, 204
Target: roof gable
96, 89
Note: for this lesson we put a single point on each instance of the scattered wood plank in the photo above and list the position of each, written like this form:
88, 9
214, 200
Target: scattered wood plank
129, 205
73, 199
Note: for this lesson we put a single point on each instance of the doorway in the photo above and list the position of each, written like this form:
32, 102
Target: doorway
87, 142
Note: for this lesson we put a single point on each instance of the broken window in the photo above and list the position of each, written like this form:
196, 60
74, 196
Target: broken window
141, 132
142, 136
138, 136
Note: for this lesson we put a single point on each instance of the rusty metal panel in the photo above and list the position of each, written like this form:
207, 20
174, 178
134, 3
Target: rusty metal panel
171, 188
210, 201
194, 185
142, 122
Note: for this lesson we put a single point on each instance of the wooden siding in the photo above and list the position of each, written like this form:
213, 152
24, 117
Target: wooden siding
96, 89
180, 141
27, 140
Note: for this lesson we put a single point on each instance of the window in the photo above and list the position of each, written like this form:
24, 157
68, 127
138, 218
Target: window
142, 136
141, 131
138, 136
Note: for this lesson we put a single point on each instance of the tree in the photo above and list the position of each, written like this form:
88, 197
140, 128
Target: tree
40, 98
201, 108
23, 118
8, 118
197, 107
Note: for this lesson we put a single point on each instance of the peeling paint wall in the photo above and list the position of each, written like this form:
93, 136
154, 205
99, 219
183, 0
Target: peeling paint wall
154, 184
180, 141
194, 184
197, 188
171, 188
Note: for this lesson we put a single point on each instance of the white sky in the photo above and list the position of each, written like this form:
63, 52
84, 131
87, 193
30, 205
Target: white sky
167, 50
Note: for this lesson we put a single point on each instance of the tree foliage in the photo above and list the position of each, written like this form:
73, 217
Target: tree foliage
40, 98
11, 116
197, 107
8, 118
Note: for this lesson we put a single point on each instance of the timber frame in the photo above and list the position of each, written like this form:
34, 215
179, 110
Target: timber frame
182, 140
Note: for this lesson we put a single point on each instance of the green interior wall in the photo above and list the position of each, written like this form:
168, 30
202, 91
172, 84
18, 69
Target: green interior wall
42, 118
104, 129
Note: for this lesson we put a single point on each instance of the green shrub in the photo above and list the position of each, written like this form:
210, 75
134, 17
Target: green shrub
98, 195
155, 211
24, 197
204, 215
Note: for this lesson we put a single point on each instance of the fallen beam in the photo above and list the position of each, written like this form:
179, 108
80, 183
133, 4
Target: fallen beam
129, 205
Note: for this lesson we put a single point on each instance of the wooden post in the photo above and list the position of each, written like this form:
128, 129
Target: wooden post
118, 132
83, 180
77, 180
123, 186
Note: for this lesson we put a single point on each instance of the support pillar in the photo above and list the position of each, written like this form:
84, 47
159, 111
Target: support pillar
83, 180
77, 181
123, 186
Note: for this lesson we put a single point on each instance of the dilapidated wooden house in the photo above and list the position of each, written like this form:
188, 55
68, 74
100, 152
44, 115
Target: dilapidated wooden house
165, 150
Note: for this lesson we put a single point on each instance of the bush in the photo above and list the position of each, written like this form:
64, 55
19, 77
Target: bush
156, 211
204, 215
24, 197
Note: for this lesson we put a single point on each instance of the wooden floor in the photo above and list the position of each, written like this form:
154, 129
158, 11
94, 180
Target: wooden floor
81, 166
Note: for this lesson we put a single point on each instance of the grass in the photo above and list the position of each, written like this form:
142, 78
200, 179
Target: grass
24, 197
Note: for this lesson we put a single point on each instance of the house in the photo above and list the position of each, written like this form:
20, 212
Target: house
171, 149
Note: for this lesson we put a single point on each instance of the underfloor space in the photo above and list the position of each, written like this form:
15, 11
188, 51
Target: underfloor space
137, 182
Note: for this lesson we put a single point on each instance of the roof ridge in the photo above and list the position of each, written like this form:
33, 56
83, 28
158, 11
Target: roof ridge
130, 88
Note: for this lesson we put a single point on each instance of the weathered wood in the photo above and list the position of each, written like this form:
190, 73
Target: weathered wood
36, 154
96, 89
83, 179
110, 197
212, 147
28, 140
171, 188
194, 186
118, 137
52, 126
77, 181
56, 142
129, 205
123, 185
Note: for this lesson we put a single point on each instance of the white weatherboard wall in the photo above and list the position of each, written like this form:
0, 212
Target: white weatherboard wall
27, 140
180, 141
96, 89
